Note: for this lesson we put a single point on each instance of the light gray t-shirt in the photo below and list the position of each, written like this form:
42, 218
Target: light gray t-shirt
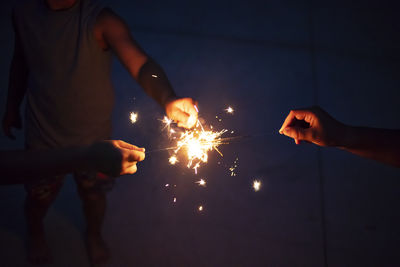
70, 96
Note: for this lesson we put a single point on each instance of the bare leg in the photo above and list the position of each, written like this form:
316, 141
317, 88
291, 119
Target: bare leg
37, 203
94, 207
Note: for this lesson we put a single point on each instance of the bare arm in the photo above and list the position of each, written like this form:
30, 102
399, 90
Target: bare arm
378, 144
110, 157
317, 126
17, 86
145, 70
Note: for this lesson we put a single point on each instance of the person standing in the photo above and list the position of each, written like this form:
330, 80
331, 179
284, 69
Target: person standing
62, 62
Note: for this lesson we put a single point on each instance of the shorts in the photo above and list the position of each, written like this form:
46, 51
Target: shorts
86, 181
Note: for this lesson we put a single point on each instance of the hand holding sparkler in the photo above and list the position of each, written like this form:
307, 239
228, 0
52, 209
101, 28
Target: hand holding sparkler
115, 157
313, 125
183, 111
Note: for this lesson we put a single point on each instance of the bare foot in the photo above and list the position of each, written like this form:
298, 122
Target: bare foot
97, 249
38, 251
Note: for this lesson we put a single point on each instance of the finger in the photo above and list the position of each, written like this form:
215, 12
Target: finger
134, 155
126, 145
180, 117
192, 108
287, 121
299, 114
131, 170
296, 133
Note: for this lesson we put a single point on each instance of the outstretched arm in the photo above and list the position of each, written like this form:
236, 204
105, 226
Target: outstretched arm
316, 126
113, 158
17, 86
145, 70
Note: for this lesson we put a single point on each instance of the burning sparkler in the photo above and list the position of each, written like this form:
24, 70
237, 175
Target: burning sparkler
133, 117
256, 185
197, 143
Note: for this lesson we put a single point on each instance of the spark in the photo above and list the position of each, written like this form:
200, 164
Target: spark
233, 167
154, 76
173, 160
201, 182
230, 110
174, 199
166, 185
200, 208
256, 185
133, 117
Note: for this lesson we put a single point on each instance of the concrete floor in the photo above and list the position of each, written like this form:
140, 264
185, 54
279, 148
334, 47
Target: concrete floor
316, 207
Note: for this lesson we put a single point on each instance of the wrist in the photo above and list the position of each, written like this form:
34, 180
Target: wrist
348, 134
167, 99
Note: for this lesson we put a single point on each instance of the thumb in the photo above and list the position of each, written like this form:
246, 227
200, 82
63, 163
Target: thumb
296, 133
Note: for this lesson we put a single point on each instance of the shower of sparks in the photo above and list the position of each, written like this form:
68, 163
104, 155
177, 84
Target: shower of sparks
201, 182
256, 185
230, 110
197, 143
173, 160
233, 167
200, 208
133, 117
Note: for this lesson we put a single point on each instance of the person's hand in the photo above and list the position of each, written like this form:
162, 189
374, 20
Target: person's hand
183, 111
115, 157
11, 119
313, 125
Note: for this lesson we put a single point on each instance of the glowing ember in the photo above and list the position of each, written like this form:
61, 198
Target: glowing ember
256, 185
173, 160
201, 182
133, 117
229, 110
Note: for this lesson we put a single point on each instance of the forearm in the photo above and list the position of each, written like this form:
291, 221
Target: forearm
20, 166
379, 144
155, 83
17, 86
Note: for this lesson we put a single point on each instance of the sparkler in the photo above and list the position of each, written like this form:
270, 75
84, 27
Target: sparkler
197, 143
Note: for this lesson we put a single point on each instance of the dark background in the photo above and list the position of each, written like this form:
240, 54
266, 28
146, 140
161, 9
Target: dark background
316, 207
